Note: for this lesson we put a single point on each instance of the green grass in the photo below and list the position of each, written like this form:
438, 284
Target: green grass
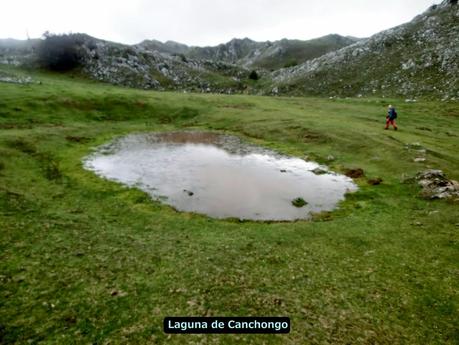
88, 261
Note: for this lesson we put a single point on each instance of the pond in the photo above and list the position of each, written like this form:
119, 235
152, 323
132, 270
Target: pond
220, 176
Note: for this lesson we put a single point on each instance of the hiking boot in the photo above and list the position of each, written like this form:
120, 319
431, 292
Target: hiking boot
396, 129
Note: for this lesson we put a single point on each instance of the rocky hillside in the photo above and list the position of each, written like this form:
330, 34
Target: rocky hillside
138, 66
174, 66
267, 55
414, 59
134, 66
419, 58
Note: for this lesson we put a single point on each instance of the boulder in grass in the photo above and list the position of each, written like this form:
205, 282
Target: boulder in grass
435, 185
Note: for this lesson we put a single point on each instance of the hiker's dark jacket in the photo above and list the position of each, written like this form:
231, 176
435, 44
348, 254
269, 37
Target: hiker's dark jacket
392, 114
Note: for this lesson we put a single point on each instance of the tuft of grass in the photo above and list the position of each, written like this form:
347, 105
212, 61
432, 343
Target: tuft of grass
50, 167
22, 145
299, 202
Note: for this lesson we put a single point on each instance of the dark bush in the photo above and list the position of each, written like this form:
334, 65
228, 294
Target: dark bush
254, 75
60, 52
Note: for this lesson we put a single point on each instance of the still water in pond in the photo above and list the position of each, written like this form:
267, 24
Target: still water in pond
219, 175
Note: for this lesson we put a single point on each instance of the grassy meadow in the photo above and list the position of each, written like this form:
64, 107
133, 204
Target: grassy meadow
88, 261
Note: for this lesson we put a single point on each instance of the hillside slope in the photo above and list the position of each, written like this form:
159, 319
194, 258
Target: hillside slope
417, 58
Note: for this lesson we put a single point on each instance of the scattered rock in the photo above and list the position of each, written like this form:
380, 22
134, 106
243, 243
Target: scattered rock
16, 79
319, 171
192, 303
375, 181
414, 146
190, 193
299, 202
283, 171
419, 159
435, 185
330, 158
354, 173
117, 293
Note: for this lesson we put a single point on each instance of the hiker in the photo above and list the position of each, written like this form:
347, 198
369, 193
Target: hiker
390, 118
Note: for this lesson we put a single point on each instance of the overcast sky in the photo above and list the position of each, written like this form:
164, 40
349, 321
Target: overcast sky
204, 22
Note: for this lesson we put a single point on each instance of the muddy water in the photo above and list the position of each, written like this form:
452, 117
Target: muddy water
219, 175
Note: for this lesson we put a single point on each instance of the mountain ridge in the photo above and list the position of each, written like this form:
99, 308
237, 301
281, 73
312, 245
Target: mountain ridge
257, 54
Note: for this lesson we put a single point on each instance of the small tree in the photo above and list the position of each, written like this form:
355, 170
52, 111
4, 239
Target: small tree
59, 52
254, 75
